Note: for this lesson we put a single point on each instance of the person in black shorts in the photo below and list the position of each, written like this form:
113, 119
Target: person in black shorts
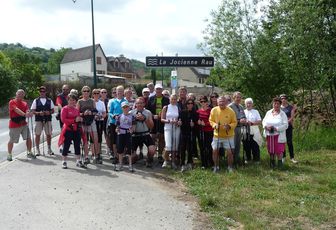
143, 124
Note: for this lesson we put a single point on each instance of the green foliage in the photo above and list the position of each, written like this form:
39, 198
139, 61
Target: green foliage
284, 47
55, 60
7, 79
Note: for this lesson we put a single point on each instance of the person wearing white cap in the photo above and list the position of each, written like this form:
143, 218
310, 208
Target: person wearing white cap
145, 95
155, 105
125, 127
151, 89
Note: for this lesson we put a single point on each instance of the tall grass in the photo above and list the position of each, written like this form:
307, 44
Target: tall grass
300, 196
315, 138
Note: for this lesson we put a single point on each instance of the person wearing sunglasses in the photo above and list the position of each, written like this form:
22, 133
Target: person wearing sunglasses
213, 100
290, 112
189, 119
87, 108
43, 108
205, 132
104, 98
99, 119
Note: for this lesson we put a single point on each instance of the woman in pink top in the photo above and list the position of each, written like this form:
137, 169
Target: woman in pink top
205, 132
71, 131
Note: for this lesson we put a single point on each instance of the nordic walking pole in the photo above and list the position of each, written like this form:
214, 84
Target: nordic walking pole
43, 139
32, 131
217, 160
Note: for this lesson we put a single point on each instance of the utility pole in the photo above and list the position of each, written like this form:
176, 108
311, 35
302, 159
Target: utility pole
93, 48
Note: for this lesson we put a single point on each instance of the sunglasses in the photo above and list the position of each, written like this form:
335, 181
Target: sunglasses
86, 91
114, 92
103, 92
96, 93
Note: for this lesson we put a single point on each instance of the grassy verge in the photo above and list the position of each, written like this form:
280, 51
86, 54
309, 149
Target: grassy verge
301, 196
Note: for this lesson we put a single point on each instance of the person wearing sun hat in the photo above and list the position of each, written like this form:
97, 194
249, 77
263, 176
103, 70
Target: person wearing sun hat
290, 112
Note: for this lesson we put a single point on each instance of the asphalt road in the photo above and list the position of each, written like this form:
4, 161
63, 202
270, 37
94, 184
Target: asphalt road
21, 146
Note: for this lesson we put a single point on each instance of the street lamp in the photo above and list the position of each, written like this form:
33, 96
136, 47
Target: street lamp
93, 48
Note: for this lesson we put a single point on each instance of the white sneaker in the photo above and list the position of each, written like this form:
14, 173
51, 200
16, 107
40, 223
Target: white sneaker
165, 164
294, 161
183, 168
119, 167
130, 168
189, 166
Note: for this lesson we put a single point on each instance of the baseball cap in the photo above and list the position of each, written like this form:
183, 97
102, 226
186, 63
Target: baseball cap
145, 90
283, 96
158, 86
124, 104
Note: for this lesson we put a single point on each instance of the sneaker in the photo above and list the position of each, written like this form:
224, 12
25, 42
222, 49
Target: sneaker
160, 159
87, 161
215, 170
165, 164
38, 153
119, 167
50, 152
294, 161
9, 157
99, 159
31, 155
130, 168
149, 164
183, 168
80, 164
230, 170
64, 165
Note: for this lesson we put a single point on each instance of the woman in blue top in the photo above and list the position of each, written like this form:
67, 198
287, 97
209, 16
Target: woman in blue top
114, 110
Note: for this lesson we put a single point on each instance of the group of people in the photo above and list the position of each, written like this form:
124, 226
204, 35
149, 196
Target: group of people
176, 128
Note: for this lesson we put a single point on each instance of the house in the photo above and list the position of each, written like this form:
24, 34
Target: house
78, 62
193, 74
121, 66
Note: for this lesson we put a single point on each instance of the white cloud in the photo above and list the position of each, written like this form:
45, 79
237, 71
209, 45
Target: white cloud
135, 28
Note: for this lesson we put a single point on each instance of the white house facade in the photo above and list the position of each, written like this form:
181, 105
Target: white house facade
78, 63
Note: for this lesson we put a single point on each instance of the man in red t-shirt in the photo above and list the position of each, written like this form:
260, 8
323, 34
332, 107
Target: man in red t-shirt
18, 112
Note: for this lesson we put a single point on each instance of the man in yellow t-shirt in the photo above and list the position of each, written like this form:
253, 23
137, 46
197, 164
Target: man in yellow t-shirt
223, 120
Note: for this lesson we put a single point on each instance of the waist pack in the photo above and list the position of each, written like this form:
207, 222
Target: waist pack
88, 119
19, 119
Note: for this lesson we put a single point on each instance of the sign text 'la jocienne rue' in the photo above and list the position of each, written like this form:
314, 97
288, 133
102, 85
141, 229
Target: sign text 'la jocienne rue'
174, 61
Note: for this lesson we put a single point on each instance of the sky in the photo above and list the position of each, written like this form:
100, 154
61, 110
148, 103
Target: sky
134, 28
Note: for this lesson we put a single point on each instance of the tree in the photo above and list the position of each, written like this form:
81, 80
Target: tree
27, 71
55, 60
7, 79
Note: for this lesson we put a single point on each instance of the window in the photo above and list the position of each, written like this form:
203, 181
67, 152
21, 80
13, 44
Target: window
99, 60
